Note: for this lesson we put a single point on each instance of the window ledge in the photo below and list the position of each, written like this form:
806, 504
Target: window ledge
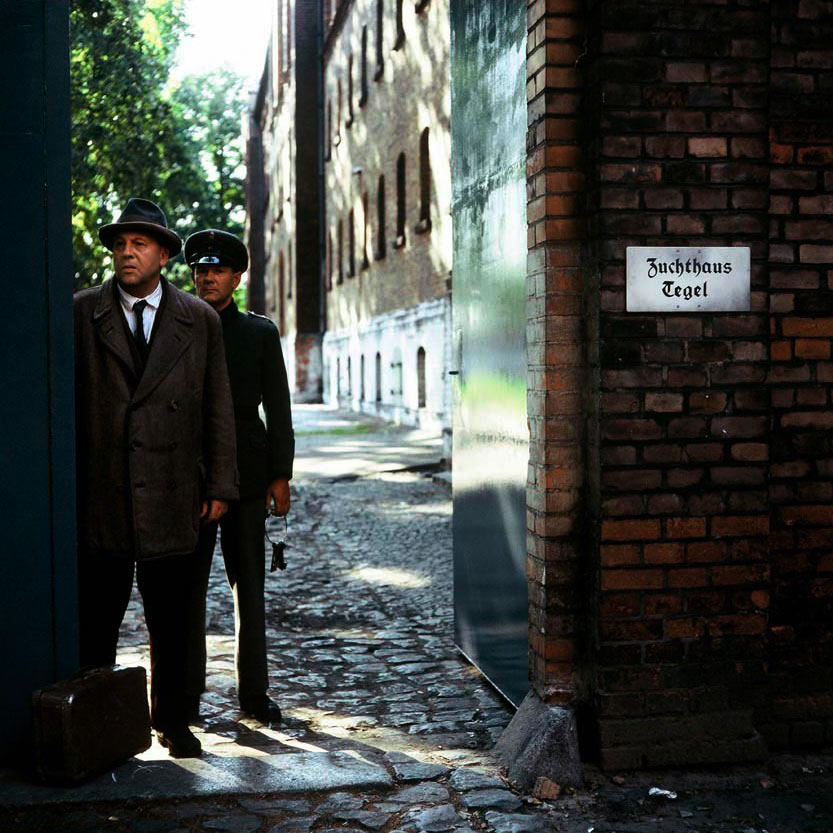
423, 226
399, 243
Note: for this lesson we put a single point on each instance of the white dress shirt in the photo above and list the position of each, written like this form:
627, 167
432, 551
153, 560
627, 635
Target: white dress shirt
127, 302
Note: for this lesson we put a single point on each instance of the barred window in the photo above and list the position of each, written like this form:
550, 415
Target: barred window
400, 202
424, 223
421, 377
363, 93
349, 121
400, 25
381, 240
365, 262
351, 243
340, 251
380, 39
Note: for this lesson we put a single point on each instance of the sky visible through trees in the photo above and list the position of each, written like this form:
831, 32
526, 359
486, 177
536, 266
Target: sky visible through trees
137, 130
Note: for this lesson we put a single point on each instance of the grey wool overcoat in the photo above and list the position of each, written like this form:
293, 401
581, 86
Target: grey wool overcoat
153, 443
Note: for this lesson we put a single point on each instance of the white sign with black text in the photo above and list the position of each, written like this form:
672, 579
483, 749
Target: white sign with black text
687, 279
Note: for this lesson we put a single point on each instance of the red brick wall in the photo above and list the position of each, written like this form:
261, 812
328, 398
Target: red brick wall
680, 477
801, 322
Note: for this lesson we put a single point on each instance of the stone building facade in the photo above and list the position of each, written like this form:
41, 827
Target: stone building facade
681, 468
284, 192
387, 234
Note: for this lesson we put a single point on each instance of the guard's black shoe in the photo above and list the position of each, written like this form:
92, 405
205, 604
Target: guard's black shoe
262, 708
181, 743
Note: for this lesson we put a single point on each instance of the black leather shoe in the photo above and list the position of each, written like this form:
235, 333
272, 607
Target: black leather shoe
263, 709
181, 743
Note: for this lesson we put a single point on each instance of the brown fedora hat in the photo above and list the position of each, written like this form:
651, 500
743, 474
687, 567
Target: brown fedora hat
146, 217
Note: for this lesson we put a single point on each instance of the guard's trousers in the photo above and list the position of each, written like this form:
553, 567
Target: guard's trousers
244, 555
105, 583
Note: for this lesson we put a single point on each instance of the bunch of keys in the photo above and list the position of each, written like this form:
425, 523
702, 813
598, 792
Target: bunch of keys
278, 560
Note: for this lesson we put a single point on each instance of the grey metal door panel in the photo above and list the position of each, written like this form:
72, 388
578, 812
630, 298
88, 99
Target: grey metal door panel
490, 456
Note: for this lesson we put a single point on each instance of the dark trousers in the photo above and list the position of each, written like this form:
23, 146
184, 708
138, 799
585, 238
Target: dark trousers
105, 583
244, 555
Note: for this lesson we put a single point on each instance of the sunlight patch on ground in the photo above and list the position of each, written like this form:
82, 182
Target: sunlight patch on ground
387, 576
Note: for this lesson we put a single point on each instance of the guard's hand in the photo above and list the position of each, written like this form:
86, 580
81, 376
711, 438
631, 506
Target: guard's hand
212, 510
278, 492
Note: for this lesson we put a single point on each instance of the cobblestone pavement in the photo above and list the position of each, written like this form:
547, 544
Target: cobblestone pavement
386, 727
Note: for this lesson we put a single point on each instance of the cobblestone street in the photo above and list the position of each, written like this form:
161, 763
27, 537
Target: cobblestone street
387, 728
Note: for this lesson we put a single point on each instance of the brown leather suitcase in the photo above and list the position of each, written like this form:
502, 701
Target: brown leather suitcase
90, 722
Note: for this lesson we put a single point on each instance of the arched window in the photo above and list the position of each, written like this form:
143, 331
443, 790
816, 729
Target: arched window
351, 244
424, 223
340, 251
338, 379
361, 379
281, 299
400, 202
380, 40
349, 121
288, 49
400, 25
396, 374
329, 130
337, 139
381, 240
421, 377
328, 262
363, 92
365, 214
378, 377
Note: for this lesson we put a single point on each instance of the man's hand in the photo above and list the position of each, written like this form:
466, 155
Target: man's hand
212, 510
278, 492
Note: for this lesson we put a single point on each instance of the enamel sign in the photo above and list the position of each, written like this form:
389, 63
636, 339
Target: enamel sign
687, 279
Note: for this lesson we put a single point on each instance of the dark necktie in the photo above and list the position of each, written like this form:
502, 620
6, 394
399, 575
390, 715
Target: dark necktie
141, 341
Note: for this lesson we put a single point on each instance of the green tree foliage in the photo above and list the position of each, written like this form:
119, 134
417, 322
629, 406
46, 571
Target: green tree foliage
134, 133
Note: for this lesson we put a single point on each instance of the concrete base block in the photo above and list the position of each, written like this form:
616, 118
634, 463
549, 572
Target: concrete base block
541, 740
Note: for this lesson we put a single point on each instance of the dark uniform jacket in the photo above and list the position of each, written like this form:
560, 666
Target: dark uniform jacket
258, 375
152, 442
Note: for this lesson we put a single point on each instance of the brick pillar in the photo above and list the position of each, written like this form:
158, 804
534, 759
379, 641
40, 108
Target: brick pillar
557, 544
543, 738
801, 305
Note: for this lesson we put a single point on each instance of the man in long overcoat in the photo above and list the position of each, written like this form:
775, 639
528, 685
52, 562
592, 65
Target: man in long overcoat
265, 456
155, 453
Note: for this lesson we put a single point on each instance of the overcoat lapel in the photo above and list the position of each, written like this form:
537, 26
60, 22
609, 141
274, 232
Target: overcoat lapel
111, 329
173, 332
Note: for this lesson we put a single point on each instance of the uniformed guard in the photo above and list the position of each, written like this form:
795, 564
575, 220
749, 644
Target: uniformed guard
264, 459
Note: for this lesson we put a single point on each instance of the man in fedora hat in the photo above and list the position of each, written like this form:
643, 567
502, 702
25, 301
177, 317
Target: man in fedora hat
155, 453
264, 459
